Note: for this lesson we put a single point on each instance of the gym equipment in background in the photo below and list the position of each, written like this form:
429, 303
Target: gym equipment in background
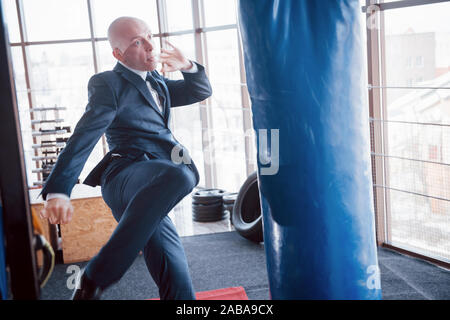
40, 243
228, 200
207, 205
247, 218
47, 140
44, 273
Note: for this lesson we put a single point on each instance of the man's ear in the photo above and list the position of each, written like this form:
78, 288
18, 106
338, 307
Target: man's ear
117, 54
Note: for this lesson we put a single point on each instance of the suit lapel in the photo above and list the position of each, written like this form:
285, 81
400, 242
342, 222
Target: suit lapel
140, 85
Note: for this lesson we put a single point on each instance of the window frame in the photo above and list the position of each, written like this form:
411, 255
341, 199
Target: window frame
374, 9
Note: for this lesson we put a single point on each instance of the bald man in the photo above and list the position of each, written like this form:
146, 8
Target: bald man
146, 173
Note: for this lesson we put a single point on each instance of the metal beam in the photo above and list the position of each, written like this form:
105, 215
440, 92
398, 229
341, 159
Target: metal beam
400, 4
20, 254
374, 78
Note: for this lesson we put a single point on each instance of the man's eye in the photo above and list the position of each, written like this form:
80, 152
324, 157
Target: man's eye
137, 42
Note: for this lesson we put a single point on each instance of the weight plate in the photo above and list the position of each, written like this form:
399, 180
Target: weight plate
208, 195
207, 202
207, 213
207, 208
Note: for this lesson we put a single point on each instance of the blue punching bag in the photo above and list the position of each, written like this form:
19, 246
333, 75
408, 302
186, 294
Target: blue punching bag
304, 65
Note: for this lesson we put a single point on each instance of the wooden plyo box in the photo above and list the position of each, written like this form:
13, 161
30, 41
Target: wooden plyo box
91, 226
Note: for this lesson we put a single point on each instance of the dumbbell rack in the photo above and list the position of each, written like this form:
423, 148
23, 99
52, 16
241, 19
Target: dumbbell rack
48, 139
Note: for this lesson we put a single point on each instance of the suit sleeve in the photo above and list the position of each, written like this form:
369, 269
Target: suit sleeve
195, 87
100, 112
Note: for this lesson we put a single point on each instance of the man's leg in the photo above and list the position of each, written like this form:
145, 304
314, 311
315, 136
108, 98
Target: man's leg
148, 190
166, 261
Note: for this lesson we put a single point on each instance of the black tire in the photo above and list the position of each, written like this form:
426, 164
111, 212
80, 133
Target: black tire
229, 208
246, 216
229, 198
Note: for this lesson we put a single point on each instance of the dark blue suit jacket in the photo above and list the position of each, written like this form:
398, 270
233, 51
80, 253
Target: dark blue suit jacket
121, 106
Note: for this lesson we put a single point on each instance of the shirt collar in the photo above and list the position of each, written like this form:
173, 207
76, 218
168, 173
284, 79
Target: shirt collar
142, 74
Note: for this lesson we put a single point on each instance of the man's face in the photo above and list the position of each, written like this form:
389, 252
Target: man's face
137, 47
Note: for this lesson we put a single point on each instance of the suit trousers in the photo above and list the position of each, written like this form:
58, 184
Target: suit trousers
140, 194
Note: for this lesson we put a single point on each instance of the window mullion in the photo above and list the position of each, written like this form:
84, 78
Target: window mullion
23, 39
246, 113
95, 57
205, 113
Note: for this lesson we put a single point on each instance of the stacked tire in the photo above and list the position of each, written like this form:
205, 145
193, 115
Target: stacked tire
207, 205
228, 203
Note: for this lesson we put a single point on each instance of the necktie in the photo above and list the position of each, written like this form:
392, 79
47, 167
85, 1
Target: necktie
155, 85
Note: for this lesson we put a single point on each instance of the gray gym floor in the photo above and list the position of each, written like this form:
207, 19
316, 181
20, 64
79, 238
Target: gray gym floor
222, 260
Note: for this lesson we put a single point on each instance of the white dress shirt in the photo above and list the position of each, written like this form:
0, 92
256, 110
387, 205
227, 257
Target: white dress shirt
143, 75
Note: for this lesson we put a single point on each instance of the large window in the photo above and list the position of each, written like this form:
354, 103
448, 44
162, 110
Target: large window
55, 19
409, 60
57, 45
227, 120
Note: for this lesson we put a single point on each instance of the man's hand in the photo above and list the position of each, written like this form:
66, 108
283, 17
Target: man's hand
57, 210
173, 59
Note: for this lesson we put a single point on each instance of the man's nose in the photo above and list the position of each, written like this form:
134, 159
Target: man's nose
149, 45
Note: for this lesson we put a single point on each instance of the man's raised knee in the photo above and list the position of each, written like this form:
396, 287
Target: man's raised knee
183, 177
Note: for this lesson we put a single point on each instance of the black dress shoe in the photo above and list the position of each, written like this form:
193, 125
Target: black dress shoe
86, 290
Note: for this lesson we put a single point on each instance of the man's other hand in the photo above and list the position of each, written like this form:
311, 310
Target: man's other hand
173, 59
57, 210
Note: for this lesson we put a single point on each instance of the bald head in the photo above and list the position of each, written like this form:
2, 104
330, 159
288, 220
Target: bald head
123, 30
132, 43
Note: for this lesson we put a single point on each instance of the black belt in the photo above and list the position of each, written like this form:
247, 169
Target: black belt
132, 154
94, 177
